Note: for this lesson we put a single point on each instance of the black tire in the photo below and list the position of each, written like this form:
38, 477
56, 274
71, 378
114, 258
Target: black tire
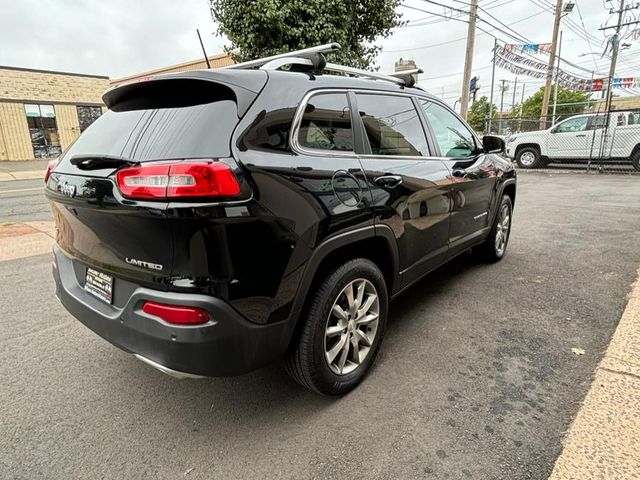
488, 250
532, 158
635, 160
307, 361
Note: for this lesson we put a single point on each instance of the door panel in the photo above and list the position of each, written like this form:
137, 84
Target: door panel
472, 175
409, 190
570, 139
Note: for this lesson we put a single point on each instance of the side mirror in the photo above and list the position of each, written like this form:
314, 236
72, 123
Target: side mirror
493, 144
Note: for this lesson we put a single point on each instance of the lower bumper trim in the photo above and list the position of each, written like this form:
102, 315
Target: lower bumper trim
166, 370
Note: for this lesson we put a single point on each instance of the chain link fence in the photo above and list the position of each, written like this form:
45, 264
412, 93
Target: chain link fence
603, 142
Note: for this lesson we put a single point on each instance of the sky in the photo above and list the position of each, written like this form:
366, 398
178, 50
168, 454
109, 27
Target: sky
123, 37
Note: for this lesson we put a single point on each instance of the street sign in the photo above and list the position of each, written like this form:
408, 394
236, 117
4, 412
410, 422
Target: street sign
473, 85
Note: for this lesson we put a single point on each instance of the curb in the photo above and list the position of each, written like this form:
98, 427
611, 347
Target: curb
604, 439
21, 175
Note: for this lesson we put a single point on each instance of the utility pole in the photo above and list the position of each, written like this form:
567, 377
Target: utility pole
513, 100
503, 87
468, 59
493, 81
555, 90
616, 47
521, 108
552, 59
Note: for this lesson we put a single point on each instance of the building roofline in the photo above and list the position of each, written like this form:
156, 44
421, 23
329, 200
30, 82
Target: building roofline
54, 72
168, 67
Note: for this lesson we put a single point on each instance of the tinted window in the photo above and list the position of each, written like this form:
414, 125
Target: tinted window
326, 123
392, 125
194, 131
453, 137
577, 124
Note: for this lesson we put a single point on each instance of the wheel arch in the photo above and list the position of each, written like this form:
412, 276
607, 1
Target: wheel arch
528, 145
376, 243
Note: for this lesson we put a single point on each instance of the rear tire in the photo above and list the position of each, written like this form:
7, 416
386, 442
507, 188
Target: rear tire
529, 157
635, 160
344, 323
494, 248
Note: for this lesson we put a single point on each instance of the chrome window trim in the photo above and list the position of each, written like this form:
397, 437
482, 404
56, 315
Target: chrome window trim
297, 120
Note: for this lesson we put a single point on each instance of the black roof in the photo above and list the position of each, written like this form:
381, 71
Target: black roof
254, 80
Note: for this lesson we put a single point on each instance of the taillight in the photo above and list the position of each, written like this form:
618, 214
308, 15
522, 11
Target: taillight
176, 314
50, 166
178, 180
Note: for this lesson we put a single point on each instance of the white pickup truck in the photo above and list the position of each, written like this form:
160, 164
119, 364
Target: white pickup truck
580, 138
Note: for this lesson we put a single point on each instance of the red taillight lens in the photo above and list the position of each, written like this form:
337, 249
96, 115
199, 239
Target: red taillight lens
178, 180
176, 314
50, 166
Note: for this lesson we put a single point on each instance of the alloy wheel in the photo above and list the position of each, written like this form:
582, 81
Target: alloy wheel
352, 326
502, 230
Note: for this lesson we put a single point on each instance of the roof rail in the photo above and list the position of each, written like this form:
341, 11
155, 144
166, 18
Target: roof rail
313, 57
306, 53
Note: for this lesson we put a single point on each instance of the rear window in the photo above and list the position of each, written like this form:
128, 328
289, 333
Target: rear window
161, 133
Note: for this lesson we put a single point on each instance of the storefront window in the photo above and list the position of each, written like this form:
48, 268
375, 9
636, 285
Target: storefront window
87, 115
43, 129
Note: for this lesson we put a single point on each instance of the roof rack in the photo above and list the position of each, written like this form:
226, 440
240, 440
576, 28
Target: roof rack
310, 54
313, 59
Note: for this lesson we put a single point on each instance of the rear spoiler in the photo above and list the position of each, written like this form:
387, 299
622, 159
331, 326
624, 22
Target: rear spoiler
189, 88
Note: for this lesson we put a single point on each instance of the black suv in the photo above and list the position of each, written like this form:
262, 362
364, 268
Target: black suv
211, 222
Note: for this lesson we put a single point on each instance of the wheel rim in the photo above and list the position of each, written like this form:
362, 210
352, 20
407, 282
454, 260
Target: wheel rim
351, 327
527, 158
502, 230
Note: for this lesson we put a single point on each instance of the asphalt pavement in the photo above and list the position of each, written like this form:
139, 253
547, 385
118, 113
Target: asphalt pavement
23, 200
476, 378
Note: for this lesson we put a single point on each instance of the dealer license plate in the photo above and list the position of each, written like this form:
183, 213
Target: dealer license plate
99, 285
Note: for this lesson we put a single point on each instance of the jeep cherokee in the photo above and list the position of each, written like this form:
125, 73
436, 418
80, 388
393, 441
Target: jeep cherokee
211, 222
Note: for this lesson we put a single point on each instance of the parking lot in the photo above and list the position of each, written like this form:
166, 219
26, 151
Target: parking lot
476, 378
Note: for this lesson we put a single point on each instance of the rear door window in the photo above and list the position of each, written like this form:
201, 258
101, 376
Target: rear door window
326, 123
392, 125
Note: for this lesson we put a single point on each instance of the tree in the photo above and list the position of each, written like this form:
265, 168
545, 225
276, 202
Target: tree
570, 102
479, 113
259, 28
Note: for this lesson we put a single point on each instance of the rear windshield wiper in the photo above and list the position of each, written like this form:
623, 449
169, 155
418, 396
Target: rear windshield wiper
96, 162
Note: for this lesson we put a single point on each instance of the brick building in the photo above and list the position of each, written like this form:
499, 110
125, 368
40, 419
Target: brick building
216, 61
43, 112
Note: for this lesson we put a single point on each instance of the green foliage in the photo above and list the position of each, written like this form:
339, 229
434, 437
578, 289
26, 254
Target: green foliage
259, 28
532, 107
479, 113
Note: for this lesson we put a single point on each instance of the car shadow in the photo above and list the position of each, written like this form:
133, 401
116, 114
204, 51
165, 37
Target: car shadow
264, 397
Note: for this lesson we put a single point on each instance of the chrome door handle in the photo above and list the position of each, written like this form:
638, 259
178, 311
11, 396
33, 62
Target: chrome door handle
388, 181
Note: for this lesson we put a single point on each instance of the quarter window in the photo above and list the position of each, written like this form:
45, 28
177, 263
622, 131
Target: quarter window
326, 123
453, 137
392, 125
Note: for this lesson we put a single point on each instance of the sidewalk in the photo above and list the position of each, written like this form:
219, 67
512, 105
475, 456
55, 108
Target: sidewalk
21, 240
604, 438
22, 170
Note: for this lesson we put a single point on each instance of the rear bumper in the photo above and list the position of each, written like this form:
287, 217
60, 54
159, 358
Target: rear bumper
225, 346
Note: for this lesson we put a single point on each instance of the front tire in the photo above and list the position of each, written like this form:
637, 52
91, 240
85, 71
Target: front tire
494, 248
529, 157
344, 324
635, 161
